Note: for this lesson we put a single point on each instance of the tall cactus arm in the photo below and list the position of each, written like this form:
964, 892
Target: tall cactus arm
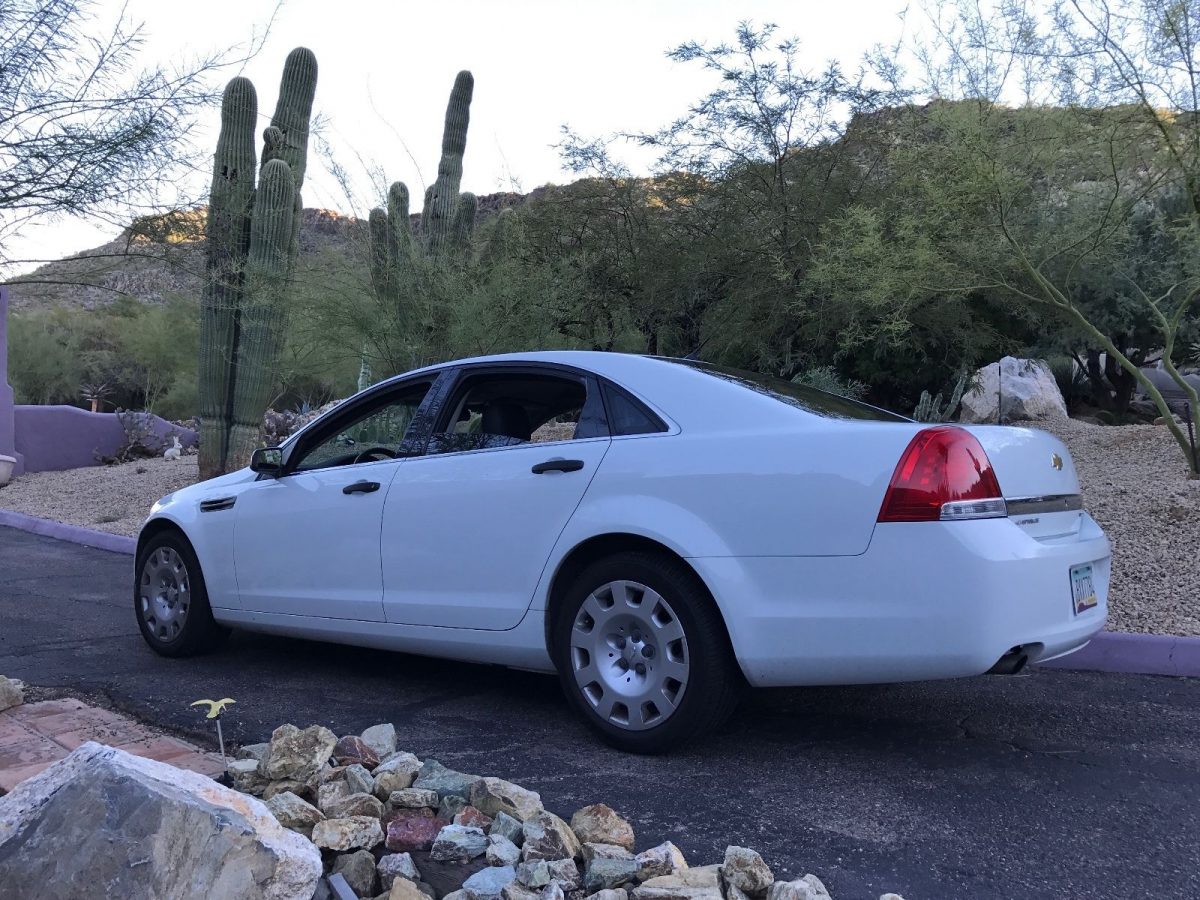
264, 310
381, 264
227, 231
293, 110
442, 198
399, 226
464, 222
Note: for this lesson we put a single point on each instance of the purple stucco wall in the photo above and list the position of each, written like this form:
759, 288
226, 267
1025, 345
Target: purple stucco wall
66, 437
8, 443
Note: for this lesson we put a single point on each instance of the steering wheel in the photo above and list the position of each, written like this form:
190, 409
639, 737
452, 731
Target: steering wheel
375, 454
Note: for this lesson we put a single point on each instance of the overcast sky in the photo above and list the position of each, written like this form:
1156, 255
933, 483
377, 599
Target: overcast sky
386, 69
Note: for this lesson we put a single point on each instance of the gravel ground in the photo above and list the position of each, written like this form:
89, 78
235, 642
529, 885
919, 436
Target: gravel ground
108, 498
1134, 483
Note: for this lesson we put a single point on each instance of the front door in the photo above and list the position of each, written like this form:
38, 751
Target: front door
468, 527
307, 543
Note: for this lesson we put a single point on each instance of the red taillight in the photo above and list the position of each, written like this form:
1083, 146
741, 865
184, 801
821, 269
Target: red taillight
943, 474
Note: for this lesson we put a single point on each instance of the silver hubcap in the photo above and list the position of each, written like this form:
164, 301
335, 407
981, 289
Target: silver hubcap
164, 594
629, 655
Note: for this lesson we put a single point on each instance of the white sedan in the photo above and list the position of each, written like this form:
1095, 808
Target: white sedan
659, 532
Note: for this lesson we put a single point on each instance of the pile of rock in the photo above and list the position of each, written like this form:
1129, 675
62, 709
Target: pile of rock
394, 826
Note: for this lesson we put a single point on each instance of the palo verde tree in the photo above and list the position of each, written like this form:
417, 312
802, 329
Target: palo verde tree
252, 244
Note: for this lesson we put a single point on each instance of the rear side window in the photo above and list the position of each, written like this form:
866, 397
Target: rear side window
801, 396
627, 416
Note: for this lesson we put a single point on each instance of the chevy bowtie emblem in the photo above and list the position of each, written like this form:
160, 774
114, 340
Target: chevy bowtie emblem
1056, 461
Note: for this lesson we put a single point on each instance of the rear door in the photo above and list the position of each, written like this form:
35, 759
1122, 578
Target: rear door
468, 526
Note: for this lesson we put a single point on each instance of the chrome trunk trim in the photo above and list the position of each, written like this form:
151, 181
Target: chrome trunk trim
1051, 503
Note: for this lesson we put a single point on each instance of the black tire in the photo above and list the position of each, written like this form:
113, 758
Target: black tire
198, 632
714, 682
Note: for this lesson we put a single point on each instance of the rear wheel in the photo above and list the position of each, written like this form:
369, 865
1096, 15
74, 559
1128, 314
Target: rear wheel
642, 653
170, 599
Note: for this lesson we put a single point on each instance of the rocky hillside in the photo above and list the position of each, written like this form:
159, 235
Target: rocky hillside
164, 255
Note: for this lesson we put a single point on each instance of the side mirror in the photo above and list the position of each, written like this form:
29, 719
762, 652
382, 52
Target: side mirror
267, 461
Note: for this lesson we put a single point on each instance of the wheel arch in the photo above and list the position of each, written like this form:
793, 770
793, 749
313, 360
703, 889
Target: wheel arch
598, 547
154, 528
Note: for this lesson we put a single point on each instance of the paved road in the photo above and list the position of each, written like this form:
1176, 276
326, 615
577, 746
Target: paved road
1059, 784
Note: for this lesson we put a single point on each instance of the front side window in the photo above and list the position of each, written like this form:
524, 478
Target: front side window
494, 410
377, 432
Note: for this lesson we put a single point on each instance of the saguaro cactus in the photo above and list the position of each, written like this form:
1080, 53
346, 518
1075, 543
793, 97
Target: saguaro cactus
447, 220
252, 243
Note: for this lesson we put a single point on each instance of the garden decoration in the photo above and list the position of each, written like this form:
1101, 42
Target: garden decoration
215, 709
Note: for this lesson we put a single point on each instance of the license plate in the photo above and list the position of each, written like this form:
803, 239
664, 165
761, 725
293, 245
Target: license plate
1083, 592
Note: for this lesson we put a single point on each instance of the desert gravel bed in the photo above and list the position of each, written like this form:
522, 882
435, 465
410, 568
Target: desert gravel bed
1134, 483
116, 499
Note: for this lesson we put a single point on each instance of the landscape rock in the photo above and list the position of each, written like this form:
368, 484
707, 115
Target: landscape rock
381, 739
413, 798
95, 824
459, 843
358, 869
501, 851
359, 780
410, 831
489, 883
548, 837
592, 851
469, 815
436, 777
534, 874
451, 806
614, 894
890, 896
565, 873
353, 749
292, 753
807, 888
609, 872
396, 865
1013, 390
517, 891
665, 859
351, 833
293, 812
403, 889
330, 793
244, 776
400, 761
552, 891
10, 693
252, 751
600, 824
745, 870
699, 883
288, 786
354, 805
509, 827
492, 796
456, 895
540, 873
387, 783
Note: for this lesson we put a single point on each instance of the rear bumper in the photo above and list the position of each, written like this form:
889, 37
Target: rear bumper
926, 600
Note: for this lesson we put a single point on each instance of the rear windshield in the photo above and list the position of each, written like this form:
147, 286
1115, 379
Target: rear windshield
801, 396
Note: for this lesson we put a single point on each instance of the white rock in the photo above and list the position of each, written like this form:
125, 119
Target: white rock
459, 843
665, 859
294, 813
745, 870
10, 693
492, 796
611, 894
351, 833
809, 887
413, 798
501, 851
1017, 389
397, 865
700, 883
381, 739
548, 837
489, 883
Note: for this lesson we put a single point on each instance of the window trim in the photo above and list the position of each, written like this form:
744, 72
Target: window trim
608, 385
591, 382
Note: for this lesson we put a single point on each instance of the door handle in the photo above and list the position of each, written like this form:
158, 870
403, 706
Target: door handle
558, 465
361, 487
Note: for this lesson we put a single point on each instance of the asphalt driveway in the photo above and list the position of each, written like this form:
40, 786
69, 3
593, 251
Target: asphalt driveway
1058, 784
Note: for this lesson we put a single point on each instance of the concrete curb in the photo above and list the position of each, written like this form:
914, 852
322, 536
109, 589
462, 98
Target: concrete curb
75, 534
1109, 651
1135, 654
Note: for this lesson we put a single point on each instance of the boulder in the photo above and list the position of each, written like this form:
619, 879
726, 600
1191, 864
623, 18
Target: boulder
489, 883
599, 824
501, 851
1013, 390
745, 870
614, 894
397, 762
413, 798
609, 872
330, 793
403, 889
436, 777
517, 891
387, 783
552, 891
288, 786
451, 806
244, 776
700, 883
534, 874
565, 874
381, 739
396, 865
358, 868
292, 753
540, 873
351, 833
509, 827
353, 749
459, 843
493, 796
358, 779
591, 851
807, 888
10, 693
665, 859
103, 822
548, 837
354, 805
409, 831
294, 813
469, 815
252, 751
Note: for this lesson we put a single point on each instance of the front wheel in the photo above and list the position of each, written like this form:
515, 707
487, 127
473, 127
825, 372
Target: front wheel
171, 601
642, 653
